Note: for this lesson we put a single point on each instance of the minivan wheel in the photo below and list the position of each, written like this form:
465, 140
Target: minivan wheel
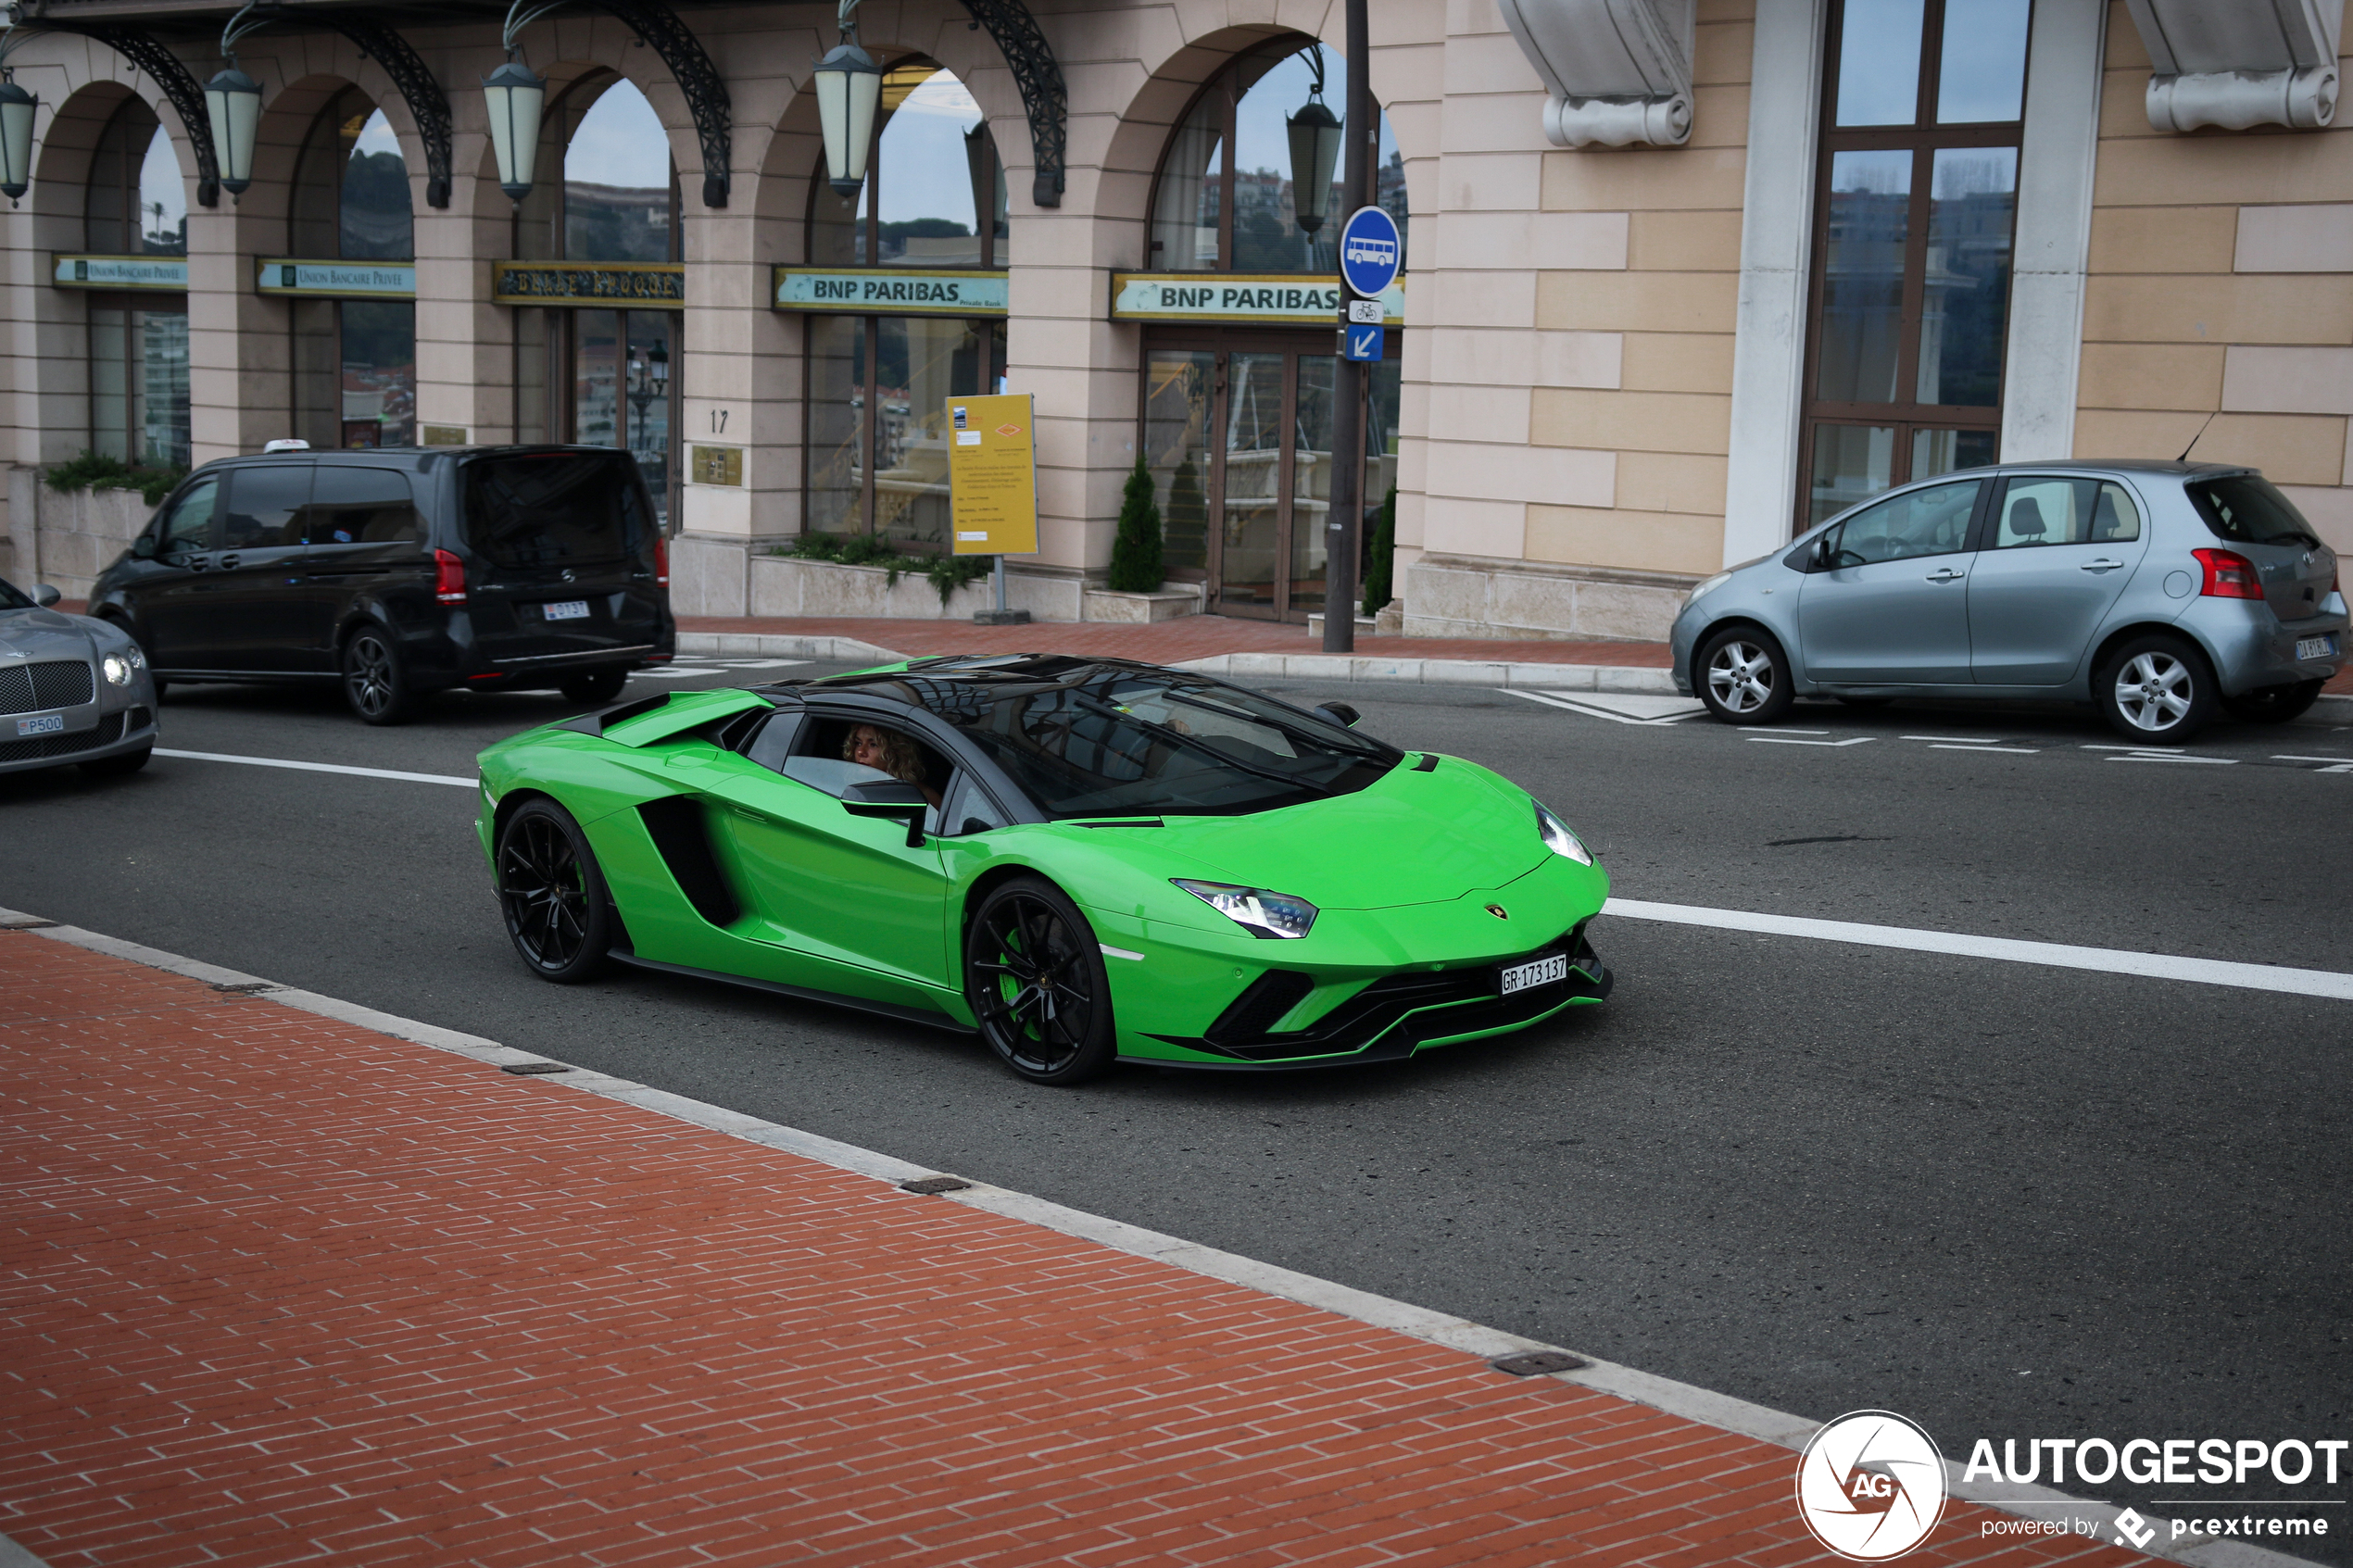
553, 895
2274, 705
374, 682
595, 685
1745, 677
2157, 689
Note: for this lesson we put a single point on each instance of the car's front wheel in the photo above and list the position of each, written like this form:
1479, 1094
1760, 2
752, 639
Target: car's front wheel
1034, 974
2157, 689
552, 894
2274, 705
1745, 677
375, 681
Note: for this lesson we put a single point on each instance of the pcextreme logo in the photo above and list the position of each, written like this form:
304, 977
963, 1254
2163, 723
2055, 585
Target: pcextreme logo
1870, 1486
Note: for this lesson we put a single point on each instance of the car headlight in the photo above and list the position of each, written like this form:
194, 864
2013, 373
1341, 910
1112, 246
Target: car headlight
1254, 908
1707, 587
118, 667
1559, 840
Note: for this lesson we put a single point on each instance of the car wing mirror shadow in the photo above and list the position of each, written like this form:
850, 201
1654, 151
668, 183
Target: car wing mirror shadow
890, 800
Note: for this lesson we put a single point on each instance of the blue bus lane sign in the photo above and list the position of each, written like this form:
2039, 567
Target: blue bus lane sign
1371, 252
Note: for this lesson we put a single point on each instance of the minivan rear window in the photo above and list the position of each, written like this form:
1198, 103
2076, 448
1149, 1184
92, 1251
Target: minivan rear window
2249, 509
557, 509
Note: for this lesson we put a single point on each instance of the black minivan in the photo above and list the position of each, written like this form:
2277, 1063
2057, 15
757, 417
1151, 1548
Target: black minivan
402, 571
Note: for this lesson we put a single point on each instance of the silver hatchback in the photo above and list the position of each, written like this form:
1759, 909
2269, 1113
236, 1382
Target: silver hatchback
2163, 594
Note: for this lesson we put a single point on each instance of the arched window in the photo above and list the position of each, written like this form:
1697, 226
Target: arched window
137, 205
934, 199
1240, 213
611, 371
354, 360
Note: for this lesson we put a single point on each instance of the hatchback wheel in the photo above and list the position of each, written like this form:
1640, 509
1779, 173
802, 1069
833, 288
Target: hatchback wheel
375, 683
1034, 974
2157, 689
2274, 705
552, 894
1745, 677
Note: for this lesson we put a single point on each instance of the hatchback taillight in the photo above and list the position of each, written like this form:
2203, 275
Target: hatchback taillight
449, 578
2229, 575
661, 561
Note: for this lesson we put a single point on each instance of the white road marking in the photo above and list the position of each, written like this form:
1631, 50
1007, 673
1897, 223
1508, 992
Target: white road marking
1622, 708
2060, 955
2283, 756
2096, 747
1754, 729
1788, 740
2163, 757
1957, 740
320, 766
1981, 746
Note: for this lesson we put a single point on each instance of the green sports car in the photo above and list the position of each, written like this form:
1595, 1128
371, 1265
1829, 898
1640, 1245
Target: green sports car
1084, 859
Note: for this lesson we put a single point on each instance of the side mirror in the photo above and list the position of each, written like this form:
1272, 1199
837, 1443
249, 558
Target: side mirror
44, 596
889, 800
1339, 713
144, 547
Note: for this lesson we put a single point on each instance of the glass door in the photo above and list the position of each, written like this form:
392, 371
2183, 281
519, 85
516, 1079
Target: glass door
1253, 505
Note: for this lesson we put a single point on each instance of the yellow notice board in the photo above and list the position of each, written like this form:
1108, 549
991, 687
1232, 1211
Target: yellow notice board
992, 472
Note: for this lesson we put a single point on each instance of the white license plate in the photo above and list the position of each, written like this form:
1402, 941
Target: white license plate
42, 724
1540, 972
566, 609
2315, 647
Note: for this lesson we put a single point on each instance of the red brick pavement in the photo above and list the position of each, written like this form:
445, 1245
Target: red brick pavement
280, 1290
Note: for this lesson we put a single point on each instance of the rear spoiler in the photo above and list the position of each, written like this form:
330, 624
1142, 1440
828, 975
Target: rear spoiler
652, 719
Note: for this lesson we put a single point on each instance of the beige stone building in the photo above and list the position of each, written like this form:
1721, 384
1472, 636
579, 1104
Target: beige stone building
1681, 275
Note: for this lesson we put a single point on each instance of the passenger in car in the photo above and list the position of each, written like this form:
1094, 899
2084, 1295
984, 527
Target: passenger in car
869, 745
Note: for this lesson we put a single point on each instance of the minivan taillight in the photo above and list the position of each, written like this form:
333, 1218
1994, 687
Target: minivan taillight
2229, 575
661, 561
449, 578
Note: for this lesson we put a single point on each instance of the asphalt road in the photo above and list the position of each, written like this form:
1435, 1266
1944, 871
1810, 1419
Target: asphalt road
2008, 1201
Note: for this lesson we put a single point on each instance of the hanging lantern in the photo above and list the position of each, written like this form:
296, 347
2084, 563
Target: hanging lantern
514, 98
15, 139
849, 93
1314, 149
657, 367
232, 102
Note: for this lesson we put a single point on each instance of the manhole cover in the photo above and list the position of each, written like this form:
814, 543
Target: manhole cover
533, 1069
1534, 1362
930, 1185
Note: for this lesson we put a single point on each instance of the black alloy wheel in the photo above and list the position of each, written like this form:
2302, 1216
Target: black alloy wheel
375, 683
595, 685
2274, 705
1742, 677
552, 894
1034, 974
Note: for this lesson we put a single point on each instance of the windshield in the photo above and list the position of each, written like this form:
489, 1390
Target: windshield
1118, 743
2249, 509
10, 599
557, 509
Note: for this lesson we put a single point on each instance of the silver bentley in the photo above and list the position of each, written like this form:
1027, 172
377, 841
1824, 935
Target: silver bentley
73, 689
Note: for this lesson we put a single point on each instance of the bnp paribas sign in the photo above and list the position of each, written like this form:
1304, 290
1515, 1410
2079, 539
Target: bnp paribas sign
1242, 298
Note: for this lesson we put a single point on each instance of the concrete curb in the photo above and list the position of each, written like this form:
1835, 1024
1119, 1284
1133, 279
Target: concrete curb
1686, 1400
1298, 666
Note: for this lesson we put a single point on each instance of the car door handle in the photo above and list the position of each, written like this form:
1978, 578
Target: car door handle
1947, 575
227, 563
2103, 564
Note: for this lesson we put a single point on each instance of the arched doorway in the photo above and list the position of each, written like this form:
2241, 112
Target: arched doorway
588, 374
355, 359
1237, 417
137, 205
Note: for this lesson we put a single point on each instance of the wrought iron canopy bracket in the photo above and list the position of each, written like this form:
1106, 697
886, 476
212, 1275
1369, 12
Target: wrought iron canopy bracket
659, 28
428, 105
1043, 93
144, 50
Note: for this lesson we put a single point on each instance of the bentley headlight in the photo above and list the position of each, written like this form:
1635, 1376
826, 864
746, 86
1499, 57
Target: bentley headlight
1708, 588
118, 667
1559, 840
1254, 908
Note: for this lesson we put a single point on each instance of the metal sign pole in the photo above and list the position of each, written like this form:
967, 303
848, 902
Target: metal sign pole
1343, 522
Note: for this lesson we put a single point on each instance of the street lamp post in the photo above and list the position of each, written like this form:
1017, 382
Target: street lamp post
1345, 520
848, 85
17, 108
515, 98
1315, 135
232, 105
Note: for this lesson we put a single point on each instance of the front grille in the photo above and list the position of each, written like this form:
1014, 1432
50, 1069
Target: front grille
29, 688
110, 731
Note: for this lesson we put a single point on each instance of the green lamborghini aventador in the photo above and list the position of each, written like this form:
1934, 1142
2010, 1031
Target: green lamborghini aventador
1083, 860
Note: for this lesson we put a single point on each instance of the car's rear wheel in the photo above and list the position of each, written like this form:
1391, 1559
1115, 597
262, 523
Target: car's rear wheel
1034, 975
553, 895
375, 680
595, 685
1745, 677
2274, 705
119, 765
2157, 689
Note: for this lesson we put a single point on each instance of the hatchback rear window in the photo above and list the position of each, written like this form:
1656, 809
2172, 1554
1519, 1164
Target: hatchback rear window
2247, 509
557, 509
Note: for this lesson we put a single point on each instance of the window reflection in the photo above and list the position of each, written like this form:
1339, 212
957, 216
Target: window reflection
619, 199
1982, 76
137, 202
1863, 276
1851, 463
1878, 62
1972, 198
935, 193
1178, 386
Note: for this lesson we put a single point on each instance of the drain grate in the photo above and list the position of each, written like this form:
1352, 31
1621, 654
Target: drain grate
1533, 1363
533, 1069
933, 1186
